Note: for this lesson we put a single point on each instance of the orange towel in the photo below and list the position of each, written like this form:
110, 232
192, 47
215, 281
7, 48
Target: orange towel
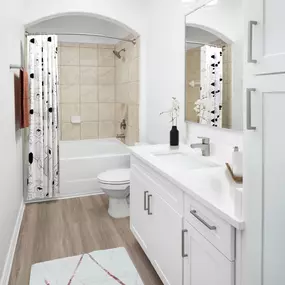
17, 102
25, 99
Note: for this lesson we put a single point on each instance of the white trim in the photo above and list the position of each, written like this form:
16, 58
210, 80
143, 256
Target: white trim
64, 198
79, 195
238, 263
12, 247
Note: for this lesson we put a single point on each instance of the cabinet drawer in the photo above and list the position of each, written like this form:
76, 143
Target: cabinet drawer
215, 230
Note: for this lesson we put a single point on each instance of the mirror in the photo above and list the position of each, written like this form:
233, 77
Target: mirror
213, 91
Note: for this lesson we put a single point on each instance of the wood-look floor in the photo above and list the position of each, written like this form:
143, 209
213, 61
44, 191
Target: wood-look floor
71, 227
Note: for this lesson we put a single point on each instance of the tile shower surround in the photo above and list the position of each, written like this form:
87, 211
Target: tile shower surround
127, 90
99, 88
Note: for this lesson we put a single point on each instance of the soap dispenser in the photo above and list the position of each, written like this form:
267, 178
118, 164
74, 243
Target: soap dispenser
237, 162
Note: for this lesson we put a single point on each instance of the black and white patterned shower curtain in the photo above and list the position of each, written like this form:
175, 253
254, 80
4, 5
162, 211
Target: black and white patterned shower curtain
211, 90
43, 156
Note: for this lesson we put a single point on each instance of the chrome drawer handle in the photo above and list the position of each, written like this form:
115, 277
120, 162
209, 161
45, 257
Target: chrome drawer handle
249, 48
144, 201
183, 243
194, 213
148, 203
248, 109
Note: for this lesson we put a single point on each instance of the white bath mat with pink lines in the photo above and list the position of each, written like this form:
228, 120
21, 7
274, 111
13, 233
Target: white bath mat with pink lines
104, 267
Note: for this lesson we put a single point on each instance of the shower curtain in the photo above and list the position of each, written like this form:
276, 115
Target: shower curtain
209, 106
43, 156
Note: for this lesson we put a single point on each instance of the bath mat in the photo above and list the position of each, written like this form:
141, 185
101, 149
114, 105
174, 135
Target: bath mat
104, 267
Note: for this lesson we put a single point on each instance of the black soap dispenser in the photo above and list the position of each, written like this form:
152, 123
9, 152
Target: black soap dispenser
174, 136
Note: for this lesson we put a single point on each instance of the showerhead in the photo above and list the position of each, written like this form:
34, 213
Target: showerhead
118, 53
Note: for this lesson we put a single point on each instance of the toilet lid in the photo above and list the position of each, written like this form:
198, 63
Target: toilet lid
115, 176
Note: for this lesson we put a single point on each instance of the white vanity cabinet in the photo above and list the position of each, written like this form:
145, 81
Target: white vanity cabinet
167, 226
203, 263
186, 243
209, 247
156, 225
140, 220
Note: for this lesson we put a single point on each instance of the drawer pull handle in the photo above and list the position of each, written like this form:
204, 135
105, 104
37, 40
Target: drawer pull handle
148, 204
144, 201
194, 213
183, 243
249, 51
248, 109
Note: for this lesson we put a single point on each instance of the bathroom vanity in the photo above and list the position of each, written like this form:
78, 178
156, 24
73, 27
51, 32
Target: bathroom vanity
183, 214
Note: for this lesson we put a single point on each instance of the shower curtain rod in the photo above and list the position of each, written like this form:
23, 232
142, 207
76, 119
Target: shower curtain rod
202, 44
133, 41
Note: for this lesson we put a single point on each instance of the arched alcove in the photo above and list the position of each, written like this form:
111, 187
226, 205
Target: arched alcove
82, 15
212, 31
126, 19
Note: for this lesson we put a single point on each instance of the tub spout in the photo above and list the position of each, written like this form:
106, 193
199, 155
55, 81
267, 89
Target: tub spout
120, 136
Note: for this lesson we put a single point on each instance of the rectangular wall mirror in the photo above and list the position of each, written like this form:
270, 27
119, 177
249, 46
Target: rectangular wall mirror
213, 80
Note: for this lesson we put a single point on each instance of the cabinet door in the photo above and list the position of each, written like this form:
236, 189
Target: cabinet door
264, 184
166, 241
139, 218
264, 26
205, 265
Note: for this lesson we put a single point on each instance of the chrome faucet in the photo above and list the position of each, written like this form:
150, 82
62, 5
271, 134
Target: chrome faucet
204, 146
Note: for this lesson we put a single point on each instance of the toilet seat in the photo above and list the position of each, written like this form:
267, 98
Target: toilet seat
115, 177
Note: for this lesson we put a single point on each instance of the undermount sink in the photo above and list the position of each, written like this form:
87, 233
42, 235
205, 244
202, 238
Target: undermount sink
184, 160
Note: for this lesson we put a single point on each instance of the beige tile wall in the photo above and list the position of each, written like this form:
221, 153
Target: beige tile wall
193, 73
127, 90
87, 89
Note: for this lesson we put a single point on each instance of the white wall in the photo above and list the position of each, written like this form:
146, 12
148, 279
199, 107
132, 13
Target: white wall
10, 142
224, 17
165, 67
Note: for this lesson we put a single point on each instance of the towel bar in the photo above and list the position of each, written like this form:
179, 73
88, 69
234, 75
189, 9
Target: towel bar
14, 66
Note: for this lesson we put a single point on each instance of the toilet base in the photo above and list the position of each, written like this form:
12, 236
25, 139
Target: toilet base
118, 208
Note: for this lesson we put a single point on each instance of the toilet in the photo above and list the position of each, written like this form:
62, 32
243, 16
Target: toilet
116, 184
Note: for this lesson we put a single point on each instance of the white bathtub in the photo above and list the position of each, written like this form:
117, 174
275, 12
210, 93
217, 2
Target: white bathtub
81, 162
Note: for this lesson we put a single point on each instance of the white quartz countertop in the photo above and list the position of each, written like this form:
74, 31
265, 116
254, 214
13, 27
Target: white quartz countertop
213, 187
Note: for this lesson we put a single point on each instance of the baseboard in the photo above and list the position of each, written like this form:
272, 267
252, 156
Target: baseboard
63, 197
12, 247
79, 195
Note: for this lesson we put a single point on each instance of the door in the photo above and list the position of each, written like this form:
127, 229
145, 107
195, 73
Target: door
139, 218
166, 240
204, 264
264, 184
264, 24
